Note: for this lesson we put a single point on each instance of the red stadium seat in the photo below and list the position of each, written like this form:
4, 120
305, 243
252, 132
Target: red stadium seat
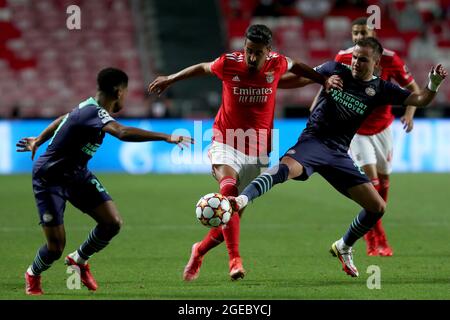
64, 62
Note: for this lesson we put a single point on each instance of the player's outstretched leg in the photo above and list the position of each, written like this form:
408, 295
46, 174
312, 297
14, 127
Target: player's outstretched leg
43, 260
109, 224
215, 236
256, 188
212, 239
231, 231
260, 185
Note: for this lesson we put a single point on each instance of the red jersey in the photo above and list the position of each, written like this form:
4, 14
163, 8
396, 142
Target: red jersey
245, 117
391, 67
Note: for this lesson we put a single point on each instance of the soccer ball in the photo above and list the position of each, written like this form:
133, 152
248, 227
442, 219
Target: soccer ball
213, 210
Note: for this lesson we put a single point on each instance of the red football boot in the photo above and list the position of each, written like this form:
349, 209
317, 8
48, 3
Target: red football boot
236, 269
192, 268
383, 247
85, 273
371, 243
33, 285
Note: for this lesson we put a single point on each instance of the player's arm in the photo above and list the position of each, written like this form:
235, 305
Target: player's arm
290, 80
314, 102
161, 83
339, 58
426, 95
407, 118
133, 134
33, 143
302, 70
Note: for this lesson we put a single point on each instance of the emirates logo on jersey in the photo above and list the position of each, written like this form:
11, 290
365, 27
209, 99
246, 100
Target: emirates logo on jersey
252, 95
269, 76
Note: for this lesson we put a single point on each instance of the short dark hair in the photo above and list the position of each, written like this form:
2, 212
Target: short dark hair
109, 79
373, 43
361, 21
259, 33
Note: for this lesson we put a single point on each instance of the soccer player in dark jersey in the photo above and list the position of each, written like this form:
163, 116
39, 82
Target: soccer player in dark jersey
60, 174
322, 147
242, 128
372, 145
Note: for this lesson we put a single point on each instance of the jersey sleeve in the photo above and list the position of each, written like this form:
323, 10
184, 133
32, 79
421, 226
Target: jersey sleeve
393, 94
286, 64
327, 68
401, 73
339, 58
95, 117
217, 66
290, 63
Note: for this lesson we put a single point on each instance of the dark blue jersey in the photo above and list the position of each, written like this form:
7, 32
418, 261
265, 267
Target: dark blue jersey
75, 141
338, 114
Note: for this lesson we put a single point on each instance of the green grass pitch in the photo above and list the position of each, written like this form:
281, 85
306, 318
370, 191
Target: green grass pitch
285, 238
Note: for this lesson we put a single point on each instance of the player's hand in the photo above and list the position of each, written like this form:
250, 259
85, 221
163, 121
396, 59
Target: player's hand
437, 75
159, 85
333, 82
180, 140
408, 123
27, 144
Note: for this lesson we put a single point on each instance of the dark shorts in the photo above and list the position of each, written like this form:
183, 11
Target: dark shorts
334, 165
84, 192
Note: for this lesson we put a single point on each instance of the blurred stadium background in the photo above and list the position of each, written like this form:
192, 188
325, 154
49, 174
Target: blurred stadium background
45, 69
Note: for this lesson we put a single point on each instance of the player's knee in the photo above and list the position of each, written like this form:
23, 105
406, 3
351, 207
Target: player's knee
295, 169
56, 249
380, 208
114, 226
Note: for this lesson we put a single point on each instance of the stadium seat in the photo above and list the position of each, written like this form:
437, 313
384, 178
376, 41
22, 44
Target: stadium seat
64, 63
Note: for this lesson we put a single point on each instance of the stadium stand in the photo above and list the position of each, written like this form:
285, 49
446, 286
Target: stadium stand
315, 39
45, 68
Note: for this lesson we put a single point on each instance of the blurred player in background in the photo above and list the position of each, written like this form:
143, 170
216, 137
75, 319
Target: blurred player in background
372, 146
242, 128
61, 174
323, 145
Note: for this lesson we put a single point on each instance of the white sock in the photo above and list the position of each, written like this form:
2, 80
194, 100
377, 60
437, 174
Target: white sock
242, 201
342, 246
75, 256
30, 271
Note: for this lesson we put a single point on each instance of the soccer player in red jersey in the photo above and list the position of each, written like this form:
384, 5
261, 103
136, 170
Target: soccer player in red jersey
372, 146
242, 127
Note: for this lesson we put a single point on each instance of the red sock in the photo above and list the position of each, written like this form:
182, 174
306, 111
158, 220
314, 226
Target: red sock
215, 236
378, 227
376, 184
232, 229
384, 188
212, 239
